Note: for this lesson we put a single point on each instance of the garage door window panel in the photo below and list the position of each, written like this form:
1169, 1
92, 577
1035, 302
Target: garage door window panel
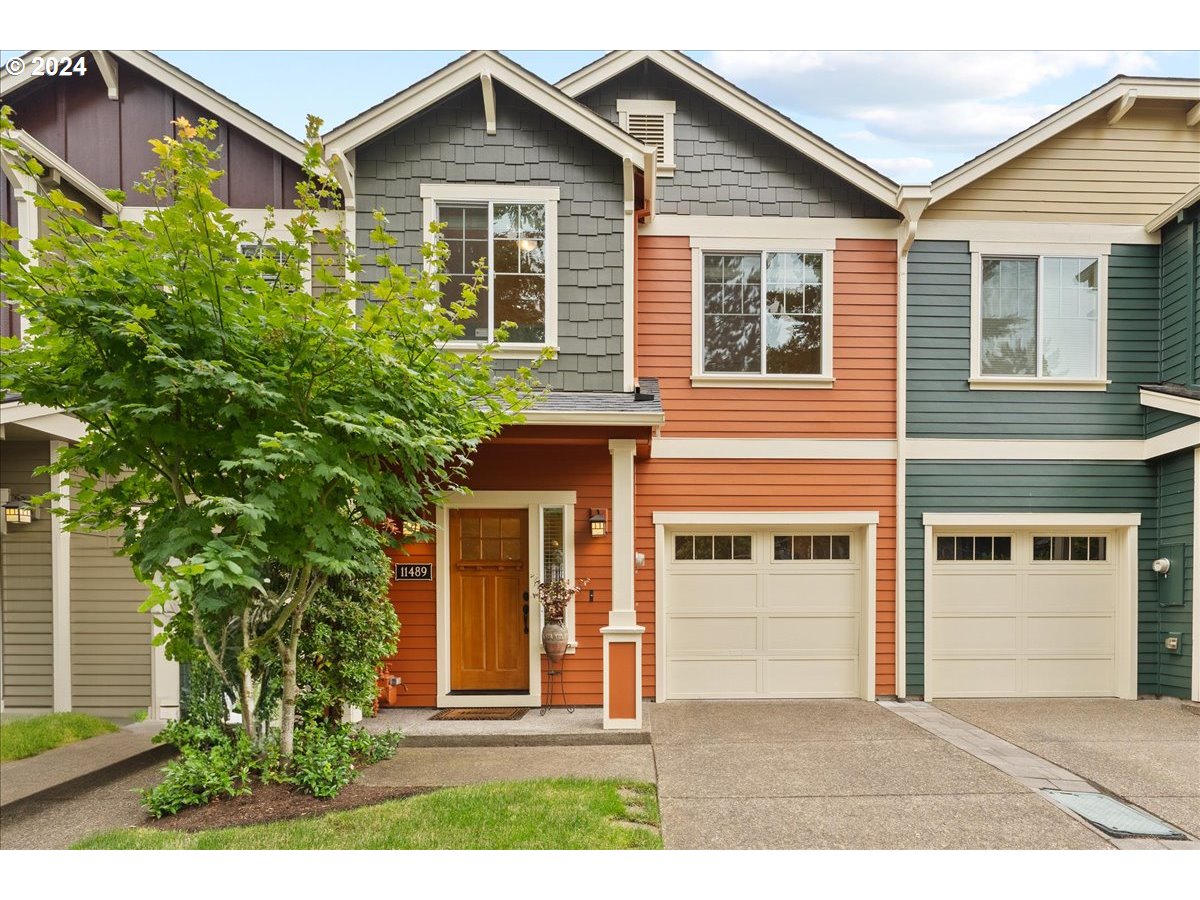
811, 547
974, 548
1070, 548
713, 547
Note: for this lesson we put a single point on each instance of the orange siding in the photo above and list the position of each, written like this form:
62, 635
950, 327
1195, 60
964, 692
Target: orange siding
862, 403
622, 680
771, 485
585, 468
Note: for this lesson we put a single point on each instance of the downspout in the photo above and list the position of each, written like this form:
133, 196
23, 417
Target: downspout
911, 201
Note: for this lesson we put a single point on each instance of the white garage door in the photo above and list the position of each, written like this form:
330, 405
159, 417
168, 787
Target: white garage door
763, 612
1023, 613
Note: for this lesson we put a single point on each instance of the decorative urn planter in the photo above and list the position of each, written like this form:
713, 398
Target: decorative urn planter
554, 639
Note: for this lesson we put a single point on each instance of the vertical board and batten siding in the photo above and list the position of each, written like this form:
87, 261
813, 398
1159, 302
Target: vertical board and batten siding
10, 319
861, 404
449, 143
726, 165
745, 485
1180, 299
107, 140
110, 639
940, 401
583, 468
1007, 486
25, 585
1090, 172
1176, 499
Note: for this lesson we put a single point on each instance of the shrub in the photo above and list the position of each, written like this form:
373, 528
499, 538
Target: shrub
212, 763
326, 759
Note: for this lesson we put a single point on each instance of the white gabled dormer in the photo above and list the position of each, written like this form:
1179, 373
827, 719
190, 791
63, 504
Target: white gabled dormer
653, 123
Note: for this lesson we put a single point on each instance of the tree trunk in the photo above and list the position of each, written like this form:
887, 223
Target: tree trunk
288, 651
246, 692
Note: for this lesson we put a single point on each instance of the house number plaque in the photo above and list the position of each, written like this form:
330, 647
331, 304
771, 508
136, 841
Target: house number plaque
414, 572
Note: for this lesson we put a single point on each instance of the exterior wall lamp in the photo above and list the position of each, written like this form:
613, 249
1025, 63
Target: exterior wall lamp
599, 522
18, 511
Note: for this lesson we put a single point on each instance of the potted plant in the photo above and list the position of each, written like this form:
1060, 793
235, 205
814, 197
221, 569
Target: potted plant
554, 596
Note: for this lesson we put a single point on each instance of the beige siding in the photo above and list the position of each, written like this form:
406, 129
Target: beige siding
110, 639
1092, 172
25, 584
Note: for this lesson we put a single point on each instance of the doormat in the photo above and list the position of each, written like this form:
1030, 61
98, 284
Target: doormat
481, 714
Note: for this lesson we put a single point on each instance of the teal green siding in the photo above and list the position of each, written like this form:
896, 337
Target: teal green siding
1160, 421
996, 486
1176, 492
940, 401
1180, 298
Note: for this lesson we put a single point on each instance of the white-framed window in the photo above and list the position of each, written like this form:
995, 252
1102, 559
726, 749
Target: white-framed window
513, 230
653, 123
557, 556
762, 313
1039, 317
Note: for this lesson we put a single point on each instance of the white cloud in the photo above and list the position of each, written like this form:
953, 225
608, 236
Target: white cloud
903, 168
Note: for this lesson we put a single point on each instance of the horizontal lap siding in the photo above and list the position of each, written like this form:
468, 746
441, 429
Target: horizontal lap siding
862, 404
585, 469
775, 485
25, 583
1000, 486
1176, 492
1090, 172
941, 403
1180, 299
110, 639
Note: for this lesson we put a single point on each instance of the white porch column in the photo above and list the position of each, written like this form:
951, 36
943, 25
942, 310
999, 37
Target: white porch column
60, 593
164, 682
623, 635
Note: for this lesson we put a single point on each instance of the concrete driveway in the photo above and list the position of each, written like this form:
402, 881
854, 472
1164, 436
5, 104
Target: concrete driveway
836, 774
1143, 751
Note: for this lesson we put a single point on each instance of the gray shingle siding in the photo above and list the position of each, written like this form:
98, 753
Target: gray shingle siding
726, 166
940, 401
449, 143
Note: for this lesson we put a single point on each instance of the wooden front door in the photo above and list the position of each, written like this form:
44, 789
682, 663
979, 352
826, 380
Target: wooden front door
489, 605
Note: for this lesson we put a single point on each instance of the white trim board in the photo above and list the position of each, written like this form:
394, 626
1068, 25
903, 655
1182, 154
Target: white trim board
733, 98
725, 517
583, 417
1195, 563
1171, 403
52, 161
770, 448
1031, 520
1009, 450
1032, 232
770, 227
1192, 196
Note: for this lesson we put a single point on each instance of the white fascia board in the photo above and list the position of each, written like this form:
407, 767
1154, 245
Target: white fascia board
10, 82
1169, 402
1192, 196
1041, 233
1096, 101
770, 227
253, 220
1173, 441
573, 417
468, 68
953, 448
770, 448
1031, 520
51, 160
725, 517
733, 98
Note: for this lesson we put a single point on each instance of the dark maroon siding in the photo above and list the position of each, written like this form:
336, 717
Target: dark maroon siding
106, 139
10, 322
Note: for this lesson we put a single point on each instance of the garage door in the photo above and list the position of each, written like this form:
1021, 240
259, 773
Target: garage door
1023, 613
763, 612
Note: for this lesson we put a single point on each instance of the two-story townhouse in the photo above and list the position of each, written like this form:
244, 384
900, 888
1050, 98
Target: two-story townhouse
71, 635
718, 452
1051, 413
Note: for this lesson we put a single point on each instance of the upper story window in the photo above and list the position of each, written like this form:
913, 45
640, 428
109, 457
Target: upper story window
763, 317
513, 230
1038, 320
653, 123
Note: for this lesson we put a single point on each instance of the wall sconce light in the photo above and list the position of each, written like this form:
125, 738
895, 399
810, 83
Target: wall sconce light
18, 511
599, 522
639, 560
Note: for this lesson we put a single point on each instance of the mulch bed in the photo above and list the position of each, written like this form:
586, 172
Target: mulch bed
276, 802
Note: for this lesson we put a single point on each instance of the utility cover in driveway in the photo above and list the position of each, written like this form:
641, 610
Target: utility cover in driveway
1113, 817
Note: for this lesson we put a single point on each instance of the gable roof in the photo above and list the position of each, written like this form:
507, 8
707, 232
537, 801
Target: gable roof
227, 111
734, 98
1107, 94
485, 66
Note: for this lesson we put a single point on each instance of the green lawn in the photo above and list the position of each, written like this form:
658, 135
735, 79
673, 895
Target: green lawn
551, 814
22, 737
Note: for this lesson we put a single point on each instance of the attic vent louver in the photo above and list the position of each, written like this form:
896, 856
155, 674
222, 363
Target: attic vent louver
653, 123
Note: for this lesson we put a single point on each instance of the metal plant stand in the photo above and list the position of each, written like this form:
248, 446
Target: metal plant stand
551, 675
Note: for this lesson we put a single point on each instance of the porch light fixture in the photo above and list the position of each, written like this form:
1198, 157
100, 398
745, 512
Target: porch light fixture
599, 522
18, 511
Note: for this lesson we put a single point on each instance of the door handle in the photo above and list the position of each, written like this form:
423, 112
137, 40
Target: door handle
525, 611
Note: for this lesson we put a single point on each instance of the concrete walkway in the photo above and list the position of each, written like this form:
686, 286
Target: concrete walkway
836, 774
557, 728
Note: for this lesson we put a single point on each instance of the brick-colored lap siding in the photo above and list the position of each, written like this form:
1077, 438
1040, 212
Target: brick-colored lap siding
803, 485
862, 403
585, 468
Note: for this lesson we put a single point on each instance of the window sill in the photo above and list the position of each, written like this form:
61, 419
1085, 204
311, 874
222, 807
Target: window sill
763, 381
503, 351
986, 383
